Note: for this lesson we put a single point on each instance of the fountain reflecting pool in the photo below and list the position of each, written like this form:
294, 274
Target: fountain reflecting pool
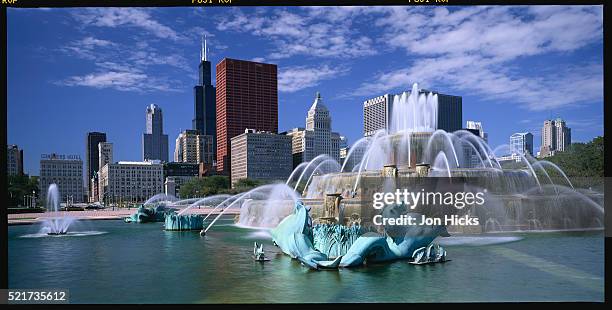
116, 268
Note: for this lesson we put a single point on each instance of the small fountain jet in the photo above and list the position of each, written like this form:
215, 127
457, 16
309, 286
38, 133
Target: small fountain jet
57, 225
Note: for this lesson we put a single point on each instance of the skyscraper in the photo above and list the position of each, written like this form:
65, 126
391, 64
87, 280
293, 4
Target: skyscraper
66, 171
204, 108
377, 112
105, 156
477, 126
450, 111
556, 136
563, 135
549, 139
317, 138
105, 153
93, 156
125, 181
193, 147
261, 155
14, 160
154, 141
247, 98
178, 173
522, 142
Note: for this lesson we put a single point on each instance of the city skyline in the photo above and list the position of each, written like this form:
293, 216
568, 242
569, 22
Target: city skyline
80, 91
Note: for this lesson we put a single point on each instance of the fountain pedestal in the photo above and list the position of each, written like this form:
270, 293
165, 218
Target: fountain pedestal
422, 169
389, 171
180, 222
332, 212
57, 233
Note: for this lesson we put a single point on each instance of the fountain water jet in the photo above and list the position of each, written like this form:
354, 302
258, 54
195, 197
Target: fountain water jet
441, 164
543, 163
335, 168
57, 224
297, 169
310, 163
269, 193
206, 201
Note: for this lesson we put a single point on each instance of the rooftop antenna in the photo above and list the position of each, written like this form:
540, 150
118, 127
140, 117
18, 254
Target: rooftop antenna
203, 52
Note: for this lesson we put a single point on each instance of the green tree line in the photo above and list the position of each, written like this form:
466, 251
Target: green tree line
216, 184
583, 163
20, 186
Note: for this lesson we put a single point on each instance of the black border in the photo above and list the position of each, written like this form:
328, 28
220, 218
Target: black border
607, 111
3, 159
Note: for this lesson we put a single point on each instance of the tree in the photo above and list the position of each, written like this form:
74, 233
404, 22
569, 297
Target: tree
20, 186
583, 163
244, 185
206, 186
216, 184
248, 183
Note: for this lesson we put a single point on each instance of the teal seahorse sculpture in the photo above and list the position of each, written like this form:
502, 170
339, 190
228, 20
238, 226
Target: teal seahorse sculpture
294, 236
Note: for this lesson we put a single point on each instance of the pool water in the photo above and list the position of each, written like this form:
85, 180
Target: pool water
110, 261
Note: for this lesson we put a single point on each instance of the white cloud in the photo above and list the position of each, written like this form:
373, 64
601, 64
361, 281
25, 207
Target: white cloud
134, 17
121, 80
86, 48
471, 50
124, 66
475, 50
308, 32
145, 58
501, 33
293, 79
586, 124
130, 65
111, 79
91, 42
471, 75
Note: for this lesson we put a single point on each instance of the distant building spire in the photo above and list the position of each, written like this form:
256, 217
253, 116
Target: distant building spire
203, 50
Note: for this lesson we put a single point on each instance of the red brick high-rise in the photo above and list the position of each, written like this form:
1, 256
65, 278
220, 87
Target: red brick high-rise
247, 97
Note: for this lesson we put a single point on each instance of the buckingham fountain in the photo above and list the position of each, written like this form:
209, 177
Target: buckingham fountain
323, 215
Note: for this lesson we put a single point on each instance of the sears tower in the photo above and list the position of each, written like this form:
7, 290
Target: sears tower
205, 116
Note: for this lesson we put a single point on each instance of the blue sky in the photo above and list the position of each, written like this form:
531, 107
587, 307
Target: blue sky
71, 71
